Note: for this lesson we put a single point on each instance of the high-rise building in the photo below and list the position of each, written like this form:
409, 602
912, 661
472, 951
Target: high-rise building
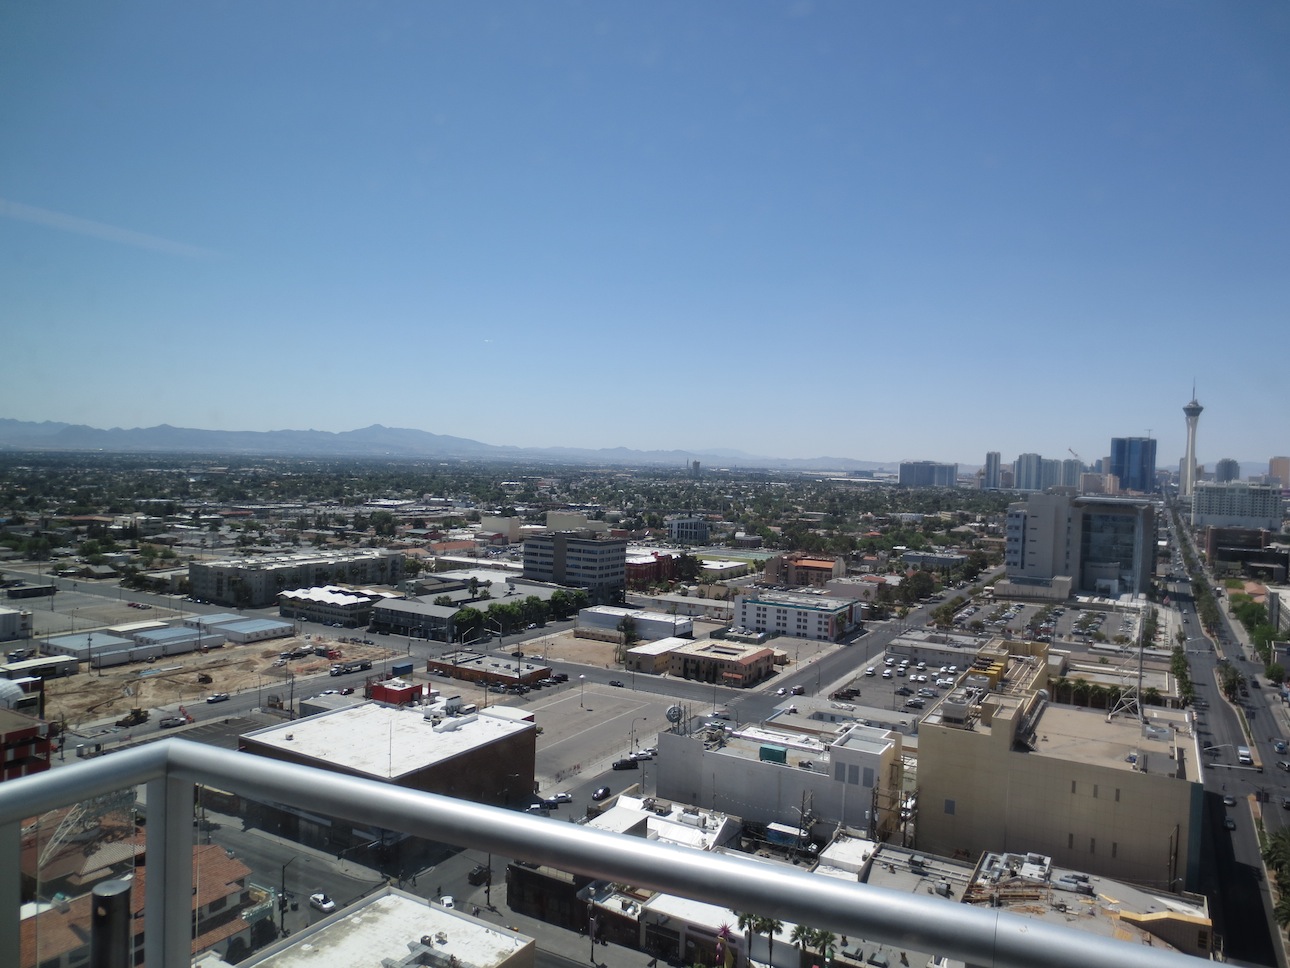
926, 473
1192, 412
1236, 505
1027, 472
1133, 461
1071, 471
1279, 467
993, 465
1050, 473
1103, 545
1227, 470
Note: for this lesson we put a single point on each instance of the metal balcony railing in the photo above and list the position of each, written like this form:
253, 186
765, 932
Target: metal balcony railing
172, 768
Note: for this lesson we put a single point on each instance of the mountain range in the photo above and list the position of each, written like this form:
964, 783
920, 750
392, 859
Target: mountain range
372, 442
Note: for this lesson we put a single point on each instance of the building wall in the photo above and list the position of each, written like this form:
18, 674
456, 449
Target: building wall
977, 794
766, 614
766, 792
926, 473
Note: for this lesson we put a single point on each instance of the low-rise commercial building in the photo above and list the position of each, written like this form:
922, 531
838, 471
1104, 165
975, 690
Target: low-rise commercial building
578, 559
257, 582
644, 624
328, 604
721, 661
802, 569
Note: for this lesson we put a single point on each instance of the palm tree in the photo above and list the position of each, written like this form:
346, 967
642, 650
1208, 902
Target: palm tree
1079, 688
748, 923
826, 943
801, 936
769, 927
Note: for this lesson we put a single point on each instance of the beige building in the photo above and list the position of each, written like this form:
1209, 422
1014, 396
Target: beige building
1008, 770
800, 569
729, 663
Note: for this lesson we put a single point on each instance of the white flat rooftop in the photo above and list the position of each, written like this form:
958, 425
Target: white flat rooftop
381, 928
385, 742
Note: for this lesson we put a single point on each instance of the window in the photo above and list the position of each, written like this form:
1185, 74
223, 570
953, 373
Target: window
1072, 786
949, 808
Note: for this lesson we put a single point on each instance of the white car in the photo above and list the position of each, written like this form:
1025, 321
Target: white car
870, 671
886, 673
781, 691
562, 797
448, 901
322, 902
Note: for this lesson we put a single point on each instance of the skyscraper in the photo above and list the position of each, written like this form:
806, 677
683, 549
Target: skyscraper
1027, 472
1133, 461
1226, 470
993, 465
1192, 413
1279, 467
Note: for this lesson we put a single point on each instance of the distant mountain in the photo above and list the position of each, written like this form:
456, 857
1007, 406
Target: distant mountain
373, 441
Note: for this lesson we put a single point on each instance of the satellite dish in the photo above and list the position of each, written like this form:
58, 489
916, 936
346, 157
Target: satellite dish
674, 714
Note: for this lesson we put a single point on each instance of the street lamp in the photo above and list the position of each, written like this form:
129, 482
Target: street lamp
631, 736
582, 691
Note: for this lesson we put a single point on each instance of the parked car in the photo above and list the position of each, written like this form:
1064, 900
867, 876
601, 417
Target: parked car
616, 682
448, 901
478, 875
321, 902
217, 697
626, 765
562, 797
170, 722
601, 793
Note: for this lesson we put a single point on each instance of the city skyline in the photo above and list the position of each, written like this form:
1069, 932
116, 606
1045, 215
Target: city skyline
997, 228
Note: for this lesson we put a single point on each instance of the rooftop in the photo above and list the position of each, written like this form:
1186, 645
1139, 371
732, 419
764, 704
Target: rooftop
391, 926
385, 742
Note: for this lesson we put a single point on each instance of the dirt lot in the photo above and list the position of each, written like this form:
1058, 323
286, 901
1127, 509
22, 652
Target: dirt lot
89, 697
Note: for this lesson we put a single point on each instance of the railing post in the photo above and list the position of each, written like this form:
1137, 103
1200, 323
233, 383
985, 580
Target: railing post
168, 938
10, 894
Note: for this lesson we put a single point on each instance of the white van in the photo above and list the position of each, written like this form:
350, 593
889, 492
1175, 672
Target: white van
1243, 756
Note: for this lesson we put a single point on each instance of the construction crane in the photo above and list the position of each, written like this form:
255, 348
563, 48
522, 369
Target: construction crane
1076, 456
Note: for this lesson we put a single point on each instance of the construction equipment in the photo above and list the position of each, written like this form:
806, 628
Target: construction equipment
133, 718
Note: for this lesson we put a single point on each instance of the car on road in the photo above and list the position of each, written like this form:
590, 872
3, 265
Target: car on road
321, 902
217, 697
601, 793
1229, 823
616, 682
448, 901
171, 722
562, 797
517, 654
551, 803
1279, 746
871, 671
626, 764
347, 691
781, 691
1229, 801
1282, 764
886, 673
478, 875
642, 755
797, 691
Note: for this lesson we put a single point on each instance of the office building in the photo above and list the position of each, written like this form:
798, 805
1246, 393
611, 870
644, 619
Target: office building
580, 560
1071, 471
1027, 472
992, 479
1279, 467
1227, 470
926, 473
1238, 504
1098, 545
1192, 412
687, 529
1133, 461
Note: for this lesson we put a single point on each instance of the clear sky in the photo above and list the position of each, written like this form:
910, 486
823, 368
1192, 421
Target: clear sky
879, 230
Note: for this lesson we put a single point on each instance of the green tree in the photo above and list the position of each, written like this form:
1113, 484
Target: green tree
769, 927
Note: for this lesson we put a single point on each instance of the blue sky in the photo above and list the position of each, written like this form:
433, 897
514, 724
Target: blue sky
872, 230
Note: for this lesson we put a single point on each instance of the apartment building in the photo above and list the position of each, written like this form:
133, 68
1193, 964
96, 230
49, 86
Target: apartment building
256, 582
803, 616
1237, 504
